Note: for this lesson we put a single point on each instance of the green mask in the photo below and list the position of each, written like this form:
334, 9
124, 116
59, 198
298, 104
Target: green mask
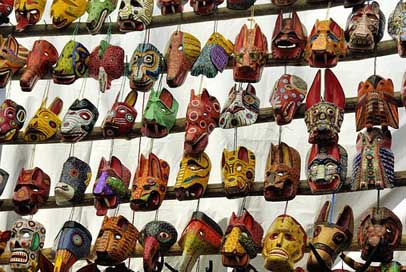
98, 11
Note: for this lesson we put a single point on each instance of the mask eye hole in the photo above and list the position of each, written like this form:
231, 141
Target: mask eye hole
317, 231
274, 236
201, 233
77, 239
338, 238
164, 235
25, 234
117, 237
180, 48
85, 115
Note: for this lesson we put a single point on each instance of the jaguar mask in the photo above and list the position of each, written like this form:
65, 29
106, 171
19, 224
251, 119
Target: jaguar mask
28, 12
6, 7
282, 3
12, 118
150, 183
240, 4
203, 8
64, 12
3, 181
397, 27
4, 238
135, 15
171, 6
98, 11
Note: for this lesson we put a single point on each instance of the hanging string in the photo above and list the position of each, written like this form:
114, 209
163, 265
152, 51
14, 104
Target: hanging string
328, 9
46, 92
286, 208
82, 88
285, 69
31, 165
198, 265
198, 205
156, 214
109, 31
72, 212
242, 206
333, 201
76, 31
71, 150
9, 90
378, 198
200, 85
375, 58
251, 19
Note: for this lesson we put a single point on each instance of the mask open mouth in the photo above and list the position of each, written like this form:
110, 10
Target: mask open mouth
63, 79
152, 129
235, 260
103, 203
19, 257
4, 77
151, 203
73, 136
28, 81
171, 8
131, 25
281, 190
25, 207
142, 85
193, 192
59, 22
35, 135
325, 185
8, 135
323, 59
204, 7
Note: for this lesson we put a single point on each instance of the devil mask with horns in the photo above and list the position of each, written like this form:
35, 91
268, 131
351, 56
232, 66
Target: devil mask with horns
397, 27
135, 15
28, 12
205, 7
6, 7
12, 118
64, 12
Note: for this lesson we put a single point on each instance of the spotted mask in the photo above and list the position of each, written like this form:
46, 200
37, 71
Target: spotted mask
171, 6
203, 7
98, 11
135, 15
4, 238
65, 12
28, 12
397, 27
3, 182
6, 7
240, 4
12, 118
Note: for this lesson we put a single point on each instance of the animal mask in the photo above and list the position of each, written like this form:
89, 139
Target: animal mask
283, 2
287, 96
373, 165
284, 244
201, 7
193, 176
6, 7
79, 120
160, 114
45, 123
397, 27
238, 171
135, 15
116, 241
40, 61
289, 37
64, 12
324, 117
250, 54
3, 181
329, 238
106, 63
12, 118
150, 183
13, 57
147, 63
242, 241
98, 11
111, 185
4, 238
120, 119
202, 118
170, 6
202, 235
27, 240
241, 108
214, 56
28, 12
182, 51
353, 3
72, 63
156, 238
240, 4
75, 178
325, 44
376, 104
31, 191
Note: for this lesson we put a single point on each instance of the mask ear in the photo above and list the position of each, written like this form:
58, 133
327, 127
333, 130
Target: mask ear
12, 43
37, 175
346, 219
335, 28
224, 157
243, 154
313, 97
166, 98
123, 224
260, 40
192, 95
155, 166
131, 98
324, 212
240, 41
250, 89
103, 164
205, 96
278, 25
297, 25
105, 219
116, 165
141, 166
56, 105
333, 92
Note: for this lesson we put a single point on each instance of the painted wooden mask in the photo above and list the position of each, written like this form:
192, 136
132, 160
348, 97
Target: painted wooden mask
202, 116
242, 240
79, 120
241, 108
116, 241
98, 11
397, 27
283, 2
376, 104
13, 57
324, 117
64, 12
353, 3
135, 15
111, 185
28, 12
325, 44
282, 174
329, 238
182, 51
12, 118
287, 97
240, 4
288, 38
250, 54
45, 123
120, 118
201, 7
31, 191
373, 165
171, 6
238, 171
27, 240
39, 63
6, 7
3, 181
159, 115
75, 178
284, 244
150, 183
4, 238
156, 238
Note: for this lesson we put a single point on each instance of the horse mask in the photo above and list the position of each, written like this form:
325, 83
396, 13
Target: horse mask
6, 7
171, 6
202, 7
135, 15
64, 12
12, 118
98, 11
28, 12
397, 27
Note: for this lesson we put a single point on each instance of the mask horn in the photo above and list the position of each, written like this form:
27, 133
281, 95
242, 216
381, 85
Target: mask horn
240, 41
324, 212
333, 92
346, 219
313, 97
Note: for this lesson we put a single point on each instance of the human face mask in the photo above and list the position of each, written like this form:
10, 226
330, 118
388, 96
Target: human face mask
135, 15
65, 12
12, 118
28, 12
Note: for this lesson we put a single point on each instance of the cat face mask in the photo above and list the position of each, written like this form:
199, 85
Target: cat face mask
12, 118
98, 11
64, 12
28, 12
135, 15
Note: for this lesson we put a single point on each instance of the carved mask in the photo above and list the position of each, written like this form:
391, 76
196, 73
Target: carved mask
116, 241
106, 63
72, 63
3, 181
376, 104
45, 123
202, 118
325, 44
156, 238
241, 108
12, 118
40, 61
240, 4
150, 183
324, 117
284, 244
13, 57
64, 12
373, 165
135, 15
353, 3
287, 96
202, 235
201, 7
98, 11
160, 114
111, 185
329, 239
75, 178
120, 119
4, 238
28, 12
6, 7
171, 6
238, 171
182, 51
289, 38
397, 27
242, 241
27, 239
283, 2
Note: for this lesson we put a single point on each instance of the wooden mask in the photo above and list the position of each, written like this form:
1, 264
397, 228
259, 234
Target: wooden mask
12, 118
3, 180
98, 11
202, 7
135, 15
171, 6
397, 27
6, 7
283, 2
240, 4
4, 238
28, 12
65, 12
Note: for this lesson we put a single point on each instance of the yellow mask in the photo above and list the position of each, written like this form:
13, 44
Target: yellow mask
28, 12
64, 12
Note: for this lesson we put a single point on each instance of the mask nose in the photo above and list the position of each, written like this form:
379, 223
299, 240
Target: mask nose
321, 173
279, 242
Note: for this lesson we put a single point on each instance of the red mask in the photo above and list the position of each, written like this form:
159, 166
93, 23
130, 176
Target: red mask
31, 191
203, 7
202, 118
6, 7
171, 6
40, 61
12, 118
4, 237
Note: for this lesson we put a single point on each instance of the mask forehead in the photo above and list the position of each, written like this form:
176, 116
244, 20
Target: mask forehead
12, 118
64, 12
98, 11
135, 14
28, 12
